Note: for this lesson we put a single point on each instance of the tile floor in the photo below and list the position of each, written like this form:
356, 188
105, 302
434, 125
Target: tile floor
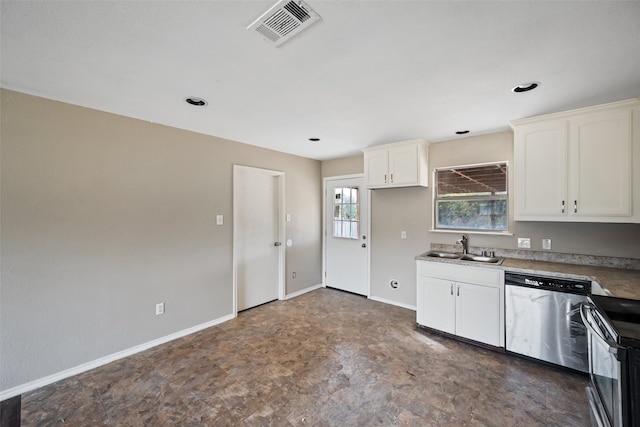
326, 358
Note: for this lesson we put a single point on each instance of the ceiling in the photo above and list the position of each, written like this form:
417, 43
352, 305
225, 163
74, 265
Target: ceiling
367, 73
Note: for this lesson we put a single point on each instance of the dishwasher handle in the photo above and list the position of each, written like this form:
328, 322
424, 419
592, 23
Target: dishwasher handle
613, 347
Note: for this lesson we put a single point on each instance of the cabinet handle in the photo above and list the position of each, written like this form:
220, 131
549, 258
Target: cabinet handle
392, 178
458, 290
452, 289
575, 206
563, 206
385, 178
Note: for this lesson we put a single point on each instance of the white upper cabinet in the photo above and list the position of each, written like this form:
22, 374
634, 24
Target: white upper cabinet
579, 166
376, 168
402, 164
600, 171
540, 169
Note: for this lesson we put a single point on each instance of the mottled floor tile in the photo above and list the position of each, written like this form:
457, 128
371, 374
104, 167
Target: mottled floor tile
326, 358
68, 402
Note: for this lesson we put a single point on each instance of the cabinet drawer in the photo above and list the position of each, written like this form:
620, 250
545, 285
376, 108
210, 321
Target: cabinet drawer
460, 273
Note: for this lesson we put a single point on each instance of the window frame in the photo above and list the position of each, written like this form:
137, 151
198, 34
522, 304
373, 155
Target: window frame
352, 222
435, 199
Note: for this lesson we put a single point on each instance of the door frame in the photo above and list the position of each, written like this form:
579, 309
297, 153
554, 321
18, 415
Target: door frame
325, 181
280, 176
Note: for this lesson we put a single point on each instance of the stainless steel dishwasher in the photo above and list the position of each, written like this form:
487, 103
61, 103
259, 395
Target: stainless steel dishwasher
542, 319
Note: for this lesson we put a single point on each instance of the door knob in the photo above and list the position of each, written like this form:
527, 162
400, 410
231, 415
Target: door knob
277, 244
364, 245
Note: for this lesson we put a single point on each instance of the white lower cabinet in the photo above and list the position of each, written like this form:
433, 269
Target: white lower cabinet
478, 313
436, 304
462, 300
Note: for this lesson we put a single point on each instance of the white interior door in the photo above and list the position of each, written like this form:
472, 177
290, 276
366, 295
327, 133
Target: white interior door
257, 236
346, 235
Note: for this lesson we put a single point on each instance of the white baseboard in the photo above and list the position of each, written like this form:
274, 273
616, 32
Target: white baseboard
388, 301
32, 385
303, 291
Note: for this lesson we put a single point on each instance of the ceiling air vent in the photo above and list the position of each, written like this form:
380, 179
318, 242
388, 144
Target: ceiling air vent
284, 20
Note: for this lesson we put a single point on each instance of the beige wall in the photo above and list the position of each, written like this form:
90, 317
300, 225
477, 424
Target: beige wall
343, 166
579, 238
393, 211
103, 216
410, 210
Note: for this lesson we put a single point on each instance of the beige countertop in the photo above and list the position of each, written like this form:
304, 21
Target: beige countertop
620, 282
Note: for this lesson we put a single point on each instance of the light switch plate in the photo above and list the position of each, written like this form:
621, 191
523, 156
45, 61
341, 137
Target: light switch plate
546, 244
403, 234
219, 219
524, 242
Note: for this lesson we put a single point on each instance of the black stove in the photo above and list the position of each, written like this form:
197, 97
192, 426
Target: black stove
624, 317
613, 326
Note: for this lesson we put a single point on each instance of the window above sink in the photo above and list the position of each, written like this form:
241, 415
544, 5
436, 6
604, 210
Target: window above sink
471, 198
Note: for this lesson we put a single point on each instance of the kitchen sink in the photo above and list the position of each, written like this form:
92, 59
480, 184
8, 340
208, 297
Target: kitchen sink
480, 258
465, 257
447, 255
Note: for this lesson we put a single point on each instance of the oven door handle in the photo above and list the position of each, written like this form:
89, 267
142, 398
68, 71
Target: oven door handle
613, 347
597, 409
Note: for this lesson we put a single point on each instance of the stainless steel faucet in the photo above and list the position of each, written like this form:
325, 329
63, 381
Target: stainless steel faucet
465, 244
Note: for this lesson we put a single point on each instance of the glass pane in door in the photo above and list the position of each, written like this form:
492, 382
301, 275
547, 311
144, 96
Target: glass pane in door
345, 213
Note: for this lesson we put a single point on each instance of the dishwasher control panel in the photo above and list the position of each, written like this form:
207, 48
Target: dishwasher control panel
558, 284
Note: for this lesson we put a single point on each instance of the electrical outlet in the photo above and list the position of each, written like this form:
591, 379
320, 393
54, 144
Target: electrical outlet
546, 244
159, 308
403, 234
219, 219
524, 242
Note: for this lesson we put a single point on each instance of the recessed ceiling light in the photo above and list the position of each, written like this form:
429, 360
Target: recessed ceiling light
314, 139
526, 87
198, 102
462, 132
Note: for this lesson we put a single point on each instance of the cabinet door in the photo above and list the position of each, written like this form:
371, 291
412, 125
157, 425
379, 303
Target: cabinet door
540, 154
403, 165
600, 164
436, 304
478, 313
376, 168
